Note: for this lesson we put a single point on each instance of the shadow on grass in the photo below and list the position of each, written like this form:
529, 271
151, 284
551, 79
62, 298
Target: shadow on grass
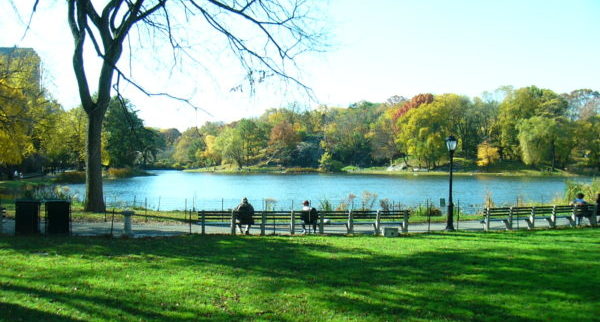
536, 275
20, 313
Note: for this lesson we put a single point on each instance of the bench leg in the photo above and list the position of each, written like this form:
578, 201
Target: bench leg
551, 221
572, 221
486, 224
375, 229
530, 222
507, 223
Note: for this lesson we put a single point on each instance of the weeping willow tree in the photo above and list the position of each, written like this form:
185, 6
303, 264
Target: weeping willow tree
265, 37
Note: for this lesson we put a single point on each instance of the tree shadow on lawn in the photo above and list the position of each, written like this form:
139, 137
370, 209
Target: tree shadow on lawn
488, 281
19, 313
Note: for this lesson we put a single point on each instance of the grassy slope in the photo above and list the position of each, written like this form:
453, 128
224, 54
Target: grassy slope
541, 275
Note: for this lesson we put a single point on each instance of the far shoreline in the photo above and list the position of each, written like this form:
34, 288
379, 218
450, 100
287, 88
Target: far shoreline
400, 173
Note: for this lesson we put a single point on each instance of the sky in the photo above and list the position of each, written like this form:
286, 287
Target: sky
376, 49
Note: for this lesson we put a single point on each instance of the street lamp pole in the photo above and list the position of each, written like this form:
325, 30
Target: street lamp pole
451, 145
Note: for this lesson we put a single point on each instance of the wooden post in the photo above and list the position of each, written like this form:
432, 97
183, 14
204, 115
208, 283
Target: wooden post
292, 223
405, 221
203, 222
263, 222
190, 218
233, 222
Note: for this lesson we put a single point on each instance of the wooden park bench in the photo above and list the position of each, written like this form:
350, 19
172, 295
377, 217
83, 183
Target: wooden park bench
375, 219
391, 218
503, 214
530, 214
572, 213
290, 219
217, 218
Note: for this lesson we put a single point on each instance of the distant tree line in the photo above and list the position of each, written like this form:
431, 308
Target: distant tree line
536, 126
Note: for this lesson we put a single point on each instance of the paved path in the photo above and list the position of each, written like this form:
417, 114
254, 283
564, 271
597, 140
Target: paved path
162, 229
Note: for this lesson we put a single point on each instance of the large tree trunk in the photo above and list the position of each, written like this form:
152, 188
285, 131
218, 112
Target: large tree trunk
94, 200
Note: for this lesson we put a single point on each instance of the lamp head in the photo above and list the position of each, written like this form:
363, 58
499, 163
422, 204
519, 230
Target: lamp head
451, 142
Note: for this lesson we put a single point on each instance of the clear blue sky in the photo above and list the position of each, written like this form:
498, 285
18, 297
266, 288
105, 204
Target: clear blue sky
379, 48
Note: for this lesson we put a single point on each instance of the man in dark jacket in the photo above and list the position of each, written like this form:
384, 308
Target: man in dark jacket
244, 212
310, 217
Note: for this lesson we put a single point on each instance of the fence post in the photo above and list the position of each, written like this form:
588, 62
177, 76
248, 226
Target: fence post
458, 215
263, 222
428, 209
112, 222
292, 223
487, 219
233, 222
510, 220
203, 222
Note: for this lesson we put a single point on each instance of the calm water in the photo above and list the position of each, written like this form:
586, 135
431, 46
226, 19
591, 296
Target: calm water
176, 189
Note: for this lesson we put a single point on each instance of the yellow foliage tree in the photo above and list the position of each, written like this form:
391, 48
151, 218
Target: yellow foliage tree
15, 143
486, 154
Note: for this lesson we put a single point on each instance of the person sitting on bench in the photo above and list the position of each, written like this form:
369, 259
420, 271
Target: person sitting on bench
244, 212
310, 216
579, 201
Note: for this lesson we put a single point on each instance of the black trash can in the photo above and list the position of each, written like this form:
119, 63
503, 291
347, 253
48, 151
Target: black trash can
58, 216
27, 217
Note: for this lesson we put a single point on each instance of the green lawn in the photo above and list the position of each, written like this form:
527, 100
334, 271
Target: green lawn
539, 275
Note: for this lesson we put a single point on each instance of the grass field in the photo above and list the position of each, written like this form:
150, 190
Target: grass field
539, 275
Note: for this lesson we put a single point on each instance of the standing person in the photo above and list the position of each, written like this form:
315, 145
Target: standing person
310, 216
244, 215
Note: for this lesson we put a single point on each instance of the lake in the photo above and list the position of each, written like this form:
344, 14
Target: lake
170, 190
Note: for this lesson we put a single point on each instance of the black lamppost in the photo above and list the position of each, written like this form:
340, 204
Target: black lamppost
451, 145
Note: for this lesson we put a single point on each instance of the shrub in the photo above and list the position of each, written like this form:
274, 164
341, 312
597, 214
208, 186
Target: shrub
327, 163
326, 205
120, 172
424, 211
71, 177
